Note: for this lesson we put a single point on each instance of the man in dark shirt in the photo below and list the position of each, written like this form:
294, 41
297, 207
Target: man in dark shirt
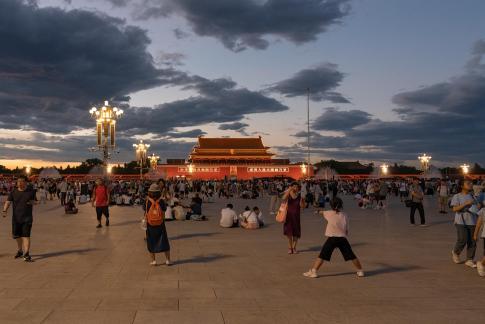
22, 198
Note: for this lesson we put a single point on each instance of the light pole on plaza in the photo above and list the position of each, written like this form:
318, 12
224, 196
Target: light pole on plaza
141, 150
154, 161
465, 168
384, 169
424, 160
28, 170
106, 117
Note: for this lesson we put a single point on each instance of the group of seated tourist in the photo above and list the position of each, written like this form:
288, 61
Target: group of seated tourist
177, 211
248, 219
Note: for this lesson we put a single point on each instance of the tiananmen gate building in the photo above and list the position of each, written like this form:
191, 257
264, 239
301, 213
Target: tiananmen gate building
231, 158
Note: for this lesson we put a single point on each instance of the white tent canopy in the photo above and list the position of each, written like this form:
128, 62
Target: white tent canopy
49, 173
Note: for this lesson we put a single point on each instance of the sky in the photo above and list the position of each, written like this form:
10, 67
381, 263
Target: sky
388, 79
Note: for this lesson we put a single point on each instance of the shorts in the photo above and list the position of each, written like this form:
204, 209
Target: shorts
100, 211
337, 242
21, 229
443, 200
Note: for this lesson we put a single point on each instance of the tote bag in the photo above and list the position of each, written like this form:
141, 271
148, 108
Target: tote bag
281, 215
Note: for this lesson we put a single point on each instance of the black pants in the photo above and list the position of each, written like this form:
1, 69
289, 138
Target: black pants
63, 198
419, 207
100, 211
340, 243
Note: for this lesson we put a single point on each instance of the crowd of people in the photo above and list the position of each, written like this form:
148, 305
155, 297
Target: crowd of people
182, 200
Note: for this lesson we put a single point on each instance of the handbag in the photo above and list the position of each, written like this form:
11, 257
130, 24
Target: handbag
281, 215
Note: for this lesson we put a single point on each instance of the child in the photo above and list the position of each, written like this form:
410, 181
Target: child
336, 232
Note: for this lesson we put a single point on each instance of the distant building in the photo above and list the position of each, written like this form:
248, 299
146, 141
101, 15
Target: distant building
232, 158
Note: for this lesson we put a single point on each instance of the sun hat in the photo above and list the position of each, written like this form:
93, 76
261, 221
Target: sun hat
154, 188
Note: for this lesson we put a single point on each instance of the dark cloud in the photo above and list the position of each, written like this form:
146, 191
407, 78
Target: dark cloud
170, 59
237, 126
322, 81
441, 119
242, 24
51, 76
340, 120
219, 101
55, 64
180, 34
187, 134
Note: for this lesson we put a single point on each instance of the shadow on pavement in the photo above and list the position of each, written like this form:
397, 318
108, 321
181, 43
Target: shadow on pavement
203, 258
375, 272
60, 253
191, 235
125, 223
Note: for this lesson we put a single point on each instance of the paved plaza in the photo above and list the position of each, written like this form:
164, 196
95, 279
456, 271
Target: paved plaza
85, 275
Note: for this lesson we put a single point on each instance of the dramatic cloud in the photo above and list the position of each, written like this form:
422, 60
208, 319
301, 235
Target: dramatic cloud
242, 24
54, 64
188, 134
237, 126
93, 57
322, 81
440, 119
219, 101
339, 120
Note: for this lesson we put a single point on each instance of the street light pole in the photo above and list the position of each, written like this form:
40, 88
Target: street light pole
141, 155
106, 118
308, 130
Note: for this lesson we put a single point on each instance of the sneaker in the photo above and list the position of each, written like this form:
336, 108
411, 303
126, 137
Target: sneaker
455, 257
360, 273
168, 263
107, 222
423, 225
480, 269
19, 254
153, 263
99, 226
27, 258
312, 273
470, 263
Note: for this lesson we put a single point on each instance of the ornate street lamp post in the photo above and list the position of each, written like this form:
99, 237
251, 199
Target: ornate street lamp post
424, 160
465, 168
384, 169
141, 150
154, 161
106, 118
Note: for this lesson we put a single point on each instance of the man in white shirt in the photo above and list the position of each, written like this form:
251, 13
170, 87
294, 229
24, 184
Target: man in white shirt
228, 217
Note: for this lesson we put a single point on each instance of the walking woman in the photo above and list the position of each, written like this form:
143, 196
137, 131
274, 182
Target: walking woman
156, 233
292, 227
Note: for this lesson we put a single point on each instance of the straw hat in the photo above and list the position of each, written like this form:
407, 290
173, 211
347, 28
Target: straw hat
154, 188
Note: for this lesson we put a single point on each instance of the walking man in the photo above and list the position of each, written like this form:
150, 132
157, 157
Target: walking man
465, 222
416, 195
101, 200
22, 198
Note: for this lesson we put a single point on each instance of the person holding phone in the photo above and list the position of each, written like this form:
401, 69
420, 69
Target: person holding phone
22, 198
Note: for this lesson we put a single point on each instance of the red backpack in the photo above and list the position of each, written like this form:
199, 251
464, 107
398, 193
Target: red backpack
155, 214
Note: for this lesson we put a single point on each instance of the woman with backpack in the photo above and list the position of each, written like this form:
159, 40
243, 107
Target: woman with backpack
156, 233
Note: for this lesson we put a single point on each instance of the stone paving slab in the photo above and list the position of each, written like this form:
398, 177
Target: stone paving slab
87, 275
